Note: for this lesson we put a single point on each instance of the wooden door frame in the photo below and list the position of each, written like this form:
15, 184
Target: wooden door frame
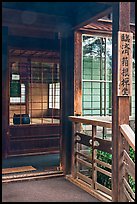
5, 93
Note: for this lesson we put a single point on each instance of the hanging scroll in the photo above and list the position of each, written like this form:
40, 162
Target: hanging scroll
125, 63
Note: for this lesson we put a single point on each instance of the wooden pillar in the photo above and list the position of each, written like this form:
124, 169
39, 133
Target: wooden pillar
120, 104
5, 92
67, 90
78, 73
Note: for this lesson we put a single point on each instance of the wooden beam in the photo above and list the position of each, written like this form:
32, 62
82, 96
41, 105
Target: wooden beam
31, 32
33, 43
120, 105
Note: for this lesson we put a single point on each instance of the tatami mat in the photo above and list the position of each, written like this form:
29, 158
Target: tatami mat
17, 169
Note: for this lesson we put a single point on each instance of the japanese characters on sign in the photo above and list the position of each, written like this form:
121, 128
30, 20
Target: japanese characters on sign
125, 63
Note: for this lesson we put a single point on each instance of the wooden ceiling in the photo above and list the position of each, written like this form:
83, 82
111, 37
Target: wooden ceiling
68, 9
43, 19
52, 16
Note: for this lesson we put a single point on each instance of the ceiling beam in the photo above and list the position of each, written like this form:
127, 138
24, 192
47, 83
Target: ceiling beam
30, 32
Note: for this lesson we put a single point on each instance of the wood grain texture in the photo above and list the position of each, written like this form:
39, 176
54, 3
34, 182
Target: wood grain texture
17, 169
77, 73
129, 135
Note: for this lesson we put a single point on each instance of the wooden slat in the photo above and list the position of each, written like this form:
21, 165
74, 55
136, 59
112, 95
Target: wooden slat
84, 162
84, 139
103, 171
128, 195
94, 155
104, 145
84, 155
129, 135
103, 163
127, 186
103, 188
129, 164
84, 178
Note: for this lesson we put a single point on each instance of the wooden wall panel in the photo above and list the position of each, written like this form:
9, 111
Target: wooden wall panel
27, 138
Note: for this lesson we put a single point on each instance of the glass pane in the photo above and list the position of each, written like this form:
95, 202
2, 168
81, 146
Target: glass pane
35, 90
15, 88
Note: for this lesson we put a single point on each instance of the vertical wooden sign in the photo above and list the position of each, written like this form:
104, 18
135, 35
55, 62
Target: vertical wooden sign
125, 63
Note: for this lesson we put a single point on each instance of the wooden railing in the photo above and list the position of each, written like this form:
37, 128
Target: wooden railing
92, 156
128, 163
89, 167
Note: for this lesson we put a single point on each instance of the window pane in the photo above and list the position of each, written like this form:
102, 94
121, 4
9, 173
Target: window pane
97, 68
97, 76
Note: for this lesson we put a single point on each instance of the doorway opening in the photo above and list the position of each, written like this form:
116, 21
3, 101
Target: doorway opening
34, 141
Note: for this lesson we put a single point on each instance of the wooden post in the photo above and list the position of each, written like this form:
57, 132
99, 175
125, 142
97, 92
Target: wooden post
74, 165
5, 92
77, 73
67, 97
77, 96
120, 104
94, 153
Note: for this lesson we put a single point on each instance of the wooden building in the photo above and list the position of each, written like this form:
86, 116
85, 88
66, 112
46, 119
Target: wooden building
42, 85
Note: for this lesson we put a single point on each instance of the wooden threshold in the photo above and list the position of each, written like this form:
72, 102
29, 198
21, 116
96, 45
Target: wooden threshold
31, 175
17, 169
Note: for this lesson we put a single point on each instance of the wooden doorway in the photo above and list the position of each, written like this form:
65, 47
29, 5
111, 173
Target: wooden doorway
34, 103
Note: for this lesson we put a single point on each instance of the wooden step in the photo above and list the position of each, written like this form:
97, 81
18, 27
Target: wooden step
17, 169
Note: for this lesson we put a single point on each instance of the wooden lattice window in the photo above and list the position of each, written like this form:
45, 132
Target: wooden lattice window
34, 91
